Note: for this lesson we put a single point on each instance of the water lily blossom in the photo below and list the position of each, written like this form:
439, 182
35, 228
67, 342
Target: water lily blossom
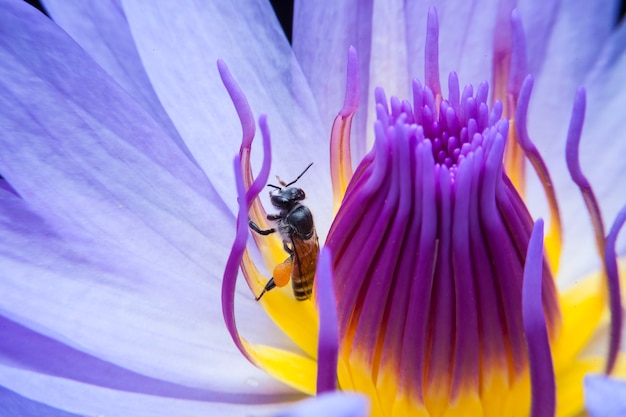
440, 307
120, 203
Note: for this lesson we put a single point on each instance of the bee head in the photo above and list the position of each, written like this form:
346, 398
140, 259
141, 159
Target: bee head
285, 198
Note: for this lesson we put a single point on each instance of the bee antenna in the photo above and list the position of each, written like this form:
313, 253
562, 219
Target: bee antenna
299, 176
274, 186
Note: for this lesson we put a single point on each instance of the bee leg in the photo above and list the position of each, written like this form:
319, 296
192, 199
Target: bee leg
274, 217
260, 231
287, 248
269, 286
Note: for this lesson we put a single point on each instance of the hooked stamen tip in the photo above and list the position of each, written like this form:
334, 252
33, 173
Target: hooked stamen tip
431, 64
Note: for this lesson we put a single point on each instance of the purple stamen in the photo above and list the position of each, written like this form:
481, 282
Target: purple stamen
340, 151
454, 92
606, 254
573, 165
234, 260
536, 160
429, 246
259, 183
239, 246
468, 92
615, 301
431, 66
240, 101
518, 67
418, 100
541, 370
328, 345
482, 92
353, 85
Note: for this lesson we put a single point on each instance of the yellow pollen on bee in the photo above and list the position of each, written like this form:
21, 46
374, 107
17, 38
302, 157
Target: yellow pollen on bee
282, 273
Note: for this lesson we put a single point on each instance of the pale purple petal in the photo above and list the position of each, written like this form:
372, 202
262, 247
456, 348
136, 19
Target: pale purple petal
91, 400
604, 397
101, 29
179, 43
12, 404
117, 244
330, 405
539, 19
579, 33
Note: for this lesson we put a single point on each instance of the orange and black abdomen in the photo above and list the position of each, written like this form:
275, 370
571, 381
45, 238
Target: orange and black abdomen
305, 254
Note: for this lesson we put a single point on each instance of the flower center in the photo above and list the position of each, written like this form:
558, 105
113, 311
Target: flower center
445, 300
429, 245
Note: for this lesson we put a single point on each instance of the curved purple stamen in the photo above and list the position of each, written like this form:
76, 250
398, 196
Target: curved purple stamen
259, 183
533, 154
431, 64
340, 151
246, 117
236, 253
234, 260
615, 301
606, 254
518, 68
328, 345
540, 358
573, 165
353, 85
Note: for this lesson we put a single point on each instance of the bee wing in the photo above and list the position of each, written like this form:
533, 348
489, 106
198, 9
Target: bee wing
305, 253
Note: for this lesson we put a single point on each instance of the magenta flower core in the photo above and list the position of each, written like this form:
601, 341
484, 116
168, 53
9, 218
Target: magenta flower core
430, 245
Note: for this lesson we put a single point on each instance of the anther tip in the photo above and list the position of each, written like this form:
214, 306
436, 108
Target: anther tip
352, 94
432, 14
222, 68
515, 17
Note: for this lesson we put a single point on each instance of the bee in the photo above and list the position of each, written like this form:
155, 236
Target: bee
295, 225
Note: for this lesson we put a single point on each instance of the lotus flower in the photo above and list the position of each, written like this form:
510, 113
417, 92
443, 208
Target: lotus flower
119, 202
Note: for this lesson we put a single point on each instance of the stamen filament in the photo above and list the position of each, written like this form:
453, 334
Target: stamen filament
292, 368
541, 370
270, 246
431, 63
328, 342
615, 300
606, 247
510, 68
573, 165
554, 238
232, 265
340, 154
518, 65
